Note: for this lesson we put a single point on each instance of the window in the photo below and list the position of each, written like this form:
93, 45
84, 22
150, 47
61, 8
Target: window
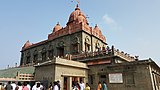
87, 44
87, 47
60, 51
35, 57
60, 48
130, 78
28, 55
44, 56
75, 45
75, 48
97, 47
28, 60
50, 51
50, 54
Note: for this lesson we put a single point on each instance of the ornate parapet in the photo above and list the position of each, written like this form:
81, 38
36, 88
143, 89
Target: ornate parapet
86, 28
97, 33
108, 52
73, 27
61, 32
123, 55
87, 55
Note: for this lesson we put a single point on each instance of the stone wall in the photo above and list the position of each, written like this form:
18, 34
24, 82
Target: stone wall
59, 68
68, 42
45, 73
134, 76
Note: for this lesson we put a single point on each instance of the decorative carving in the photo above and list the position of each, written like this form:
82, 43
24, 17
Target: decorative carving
50, 47
43, 50
35, 52
28, 54
61, 44
75, 40
87, 40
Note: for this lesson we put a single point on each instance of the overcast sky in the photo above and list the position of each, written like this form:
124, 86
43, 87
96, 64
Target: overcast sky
132, 26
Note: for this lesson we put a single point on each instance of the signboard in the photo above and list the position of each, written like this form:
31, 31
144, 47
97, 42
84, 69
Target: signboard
115, 78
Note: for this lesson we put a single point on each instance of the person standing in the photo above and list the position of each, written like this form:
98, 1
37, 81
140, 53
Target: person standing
99, 86
29, 86
34, 86
37, 86
14, 85
19, 86
25, 86
87, 87
9, 86
50, 86
75, 86
55, 87
1, 86
82, 86
58, 84
104, 86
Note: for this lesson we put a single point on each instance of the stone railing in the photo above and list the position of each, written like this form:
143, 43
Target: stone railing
91, 54
104, 53
123, 55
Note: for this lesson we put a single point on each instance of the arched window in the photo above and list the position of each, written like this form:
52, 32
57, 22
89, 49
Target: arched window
97, 47
35, 56
75, 45
60, 48
87, 44
44, 54
50, 52
28, 57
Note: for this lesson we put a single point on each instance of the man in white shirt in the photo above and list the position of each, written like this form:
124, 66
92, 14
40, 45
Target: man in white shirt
55, 86
82, 86
37, 86
13, 85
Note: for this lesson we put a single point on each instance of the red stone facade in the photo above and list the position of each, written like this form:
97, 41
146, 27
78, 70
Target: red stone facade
77, 22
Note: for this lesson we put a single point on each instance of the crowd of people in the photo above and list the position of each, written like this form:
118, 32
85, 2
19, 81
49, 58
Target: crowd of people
55, 86
102, 86
21, 86
75, 86
82, 86
15, 86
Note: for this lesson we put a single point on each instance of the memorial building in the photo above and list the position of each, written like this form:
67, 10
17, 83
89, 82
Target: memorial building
79, 52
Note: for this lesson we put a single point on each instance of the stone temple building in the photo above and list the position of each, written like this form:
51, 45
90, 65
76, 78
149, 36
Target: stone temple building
79, 52
75, 38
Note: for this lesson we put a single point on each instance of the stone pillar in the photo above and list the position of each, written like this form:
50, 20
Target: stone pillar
69, 81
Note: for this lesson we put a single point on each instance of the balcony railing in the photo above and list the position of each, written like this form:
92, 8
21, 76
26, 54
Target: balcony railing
102, 54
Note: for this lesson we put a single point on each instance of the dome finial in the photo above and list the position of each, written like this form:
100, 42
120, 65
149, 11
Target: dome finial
58, 23
57, 27
77, 7
96, 25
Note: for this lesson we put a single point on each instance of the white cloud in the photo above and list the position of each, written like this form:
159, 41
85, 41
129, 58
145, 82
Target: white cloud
110, 22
